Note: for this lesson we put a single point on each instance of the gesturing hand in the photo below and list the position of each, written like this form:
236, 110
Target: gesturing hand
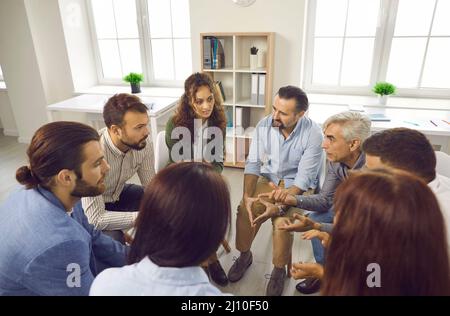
248, 201
304, 223
302, 270
279, 195
323, 236
270, 211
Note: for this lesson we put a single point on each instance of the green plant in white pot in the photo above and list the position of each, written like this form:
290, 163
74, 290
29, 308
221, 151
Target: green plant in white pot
135, 81
383, 89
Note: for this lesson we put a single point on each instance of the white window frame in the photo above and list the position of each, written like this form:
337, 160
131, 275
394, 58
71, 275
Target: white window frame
145, 49
382, 48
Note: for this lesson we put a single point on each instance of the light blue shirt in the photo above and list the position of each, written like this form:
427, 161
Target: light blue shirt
149, 279
296, 159
44, 250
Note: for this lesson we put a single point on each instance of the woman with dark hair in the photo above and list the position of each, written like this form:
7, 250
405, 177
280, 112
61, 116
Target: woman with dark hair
389, 238
199, 102
183, 217
197, 133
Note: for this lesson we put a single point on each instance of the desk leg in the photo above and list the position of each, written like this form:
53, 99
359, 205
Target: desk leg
154, 129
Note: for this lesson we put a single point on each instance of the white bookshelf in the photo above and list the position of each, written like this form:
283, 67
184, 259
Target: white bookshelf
236, 81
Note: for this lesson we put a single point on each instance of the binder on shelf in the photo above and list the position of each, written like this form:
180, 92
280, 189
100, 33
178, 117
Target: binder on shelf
213, 52
261, 89
207, 53
242, 117
255, 88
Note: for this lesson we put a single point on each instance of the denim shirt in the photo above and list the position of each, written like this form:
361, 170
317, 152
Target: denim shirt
46, 251
296, 159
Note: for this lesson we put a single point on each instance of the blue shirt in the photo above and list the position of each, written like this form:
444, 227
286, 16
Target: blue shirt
296, 159
46, 251
147, 278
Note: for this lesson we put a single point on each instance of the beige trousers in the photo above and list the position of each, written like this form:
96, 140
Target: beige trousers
281, 241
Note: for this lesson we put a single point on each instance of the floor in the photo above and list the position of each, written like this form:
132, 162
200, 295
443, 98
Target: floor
254, 282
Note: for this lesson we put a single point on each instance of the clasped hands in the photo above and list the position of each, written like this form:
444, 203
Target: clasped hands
272, 200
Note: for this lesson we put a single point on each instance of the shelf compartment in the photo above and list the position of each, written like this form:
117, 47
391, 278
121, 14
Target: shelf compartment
243, 45
227, 44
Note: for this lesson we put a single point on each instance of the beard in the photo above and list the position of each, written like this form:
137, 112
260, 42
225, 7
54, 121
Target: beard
277, 123
136, 146
83, 189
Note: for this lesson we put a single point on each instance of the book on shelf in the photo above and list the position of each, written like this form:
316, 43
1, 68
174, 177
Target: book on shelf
219, 91
222, 91
229, 115
213, 52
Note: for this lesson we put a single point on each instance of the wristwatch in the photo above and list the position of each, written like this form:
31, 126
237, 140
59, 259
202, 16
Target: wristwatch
281, 210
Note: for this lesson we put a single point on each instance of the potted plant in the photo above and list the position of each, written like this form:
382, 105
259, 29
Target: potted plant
134, 79
383, 89
253, 57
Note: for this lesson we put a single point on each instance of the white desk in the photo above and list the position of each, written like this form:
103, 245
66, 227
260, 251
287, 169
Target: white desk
92, 104
420, 120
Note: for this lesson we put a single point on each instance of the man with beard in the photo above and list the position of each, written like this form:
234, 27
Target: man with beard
128, 150
48, 247
285, 153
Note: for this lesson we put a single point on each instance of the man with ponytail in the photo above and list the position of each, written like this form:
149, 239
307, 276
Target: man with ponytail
48, 246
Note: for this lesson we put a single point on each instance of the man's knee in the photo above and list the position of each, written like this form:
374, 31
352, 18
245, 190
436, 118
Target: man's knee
280, 221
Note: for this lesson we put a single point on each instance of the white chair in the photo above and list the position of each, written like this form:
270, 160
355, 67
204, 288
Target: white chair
161, 151
442, 163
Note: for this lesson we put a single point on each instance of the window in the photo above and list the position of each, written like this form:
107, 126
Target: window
145, 36
352, 44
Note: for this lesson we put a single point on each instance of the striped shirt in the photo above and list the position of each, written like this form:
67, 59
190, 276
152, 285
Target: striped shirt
123, 166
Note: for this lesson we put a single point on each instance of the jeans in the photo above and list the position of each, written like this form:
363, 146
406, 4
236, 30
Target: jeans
129, 201
318, 249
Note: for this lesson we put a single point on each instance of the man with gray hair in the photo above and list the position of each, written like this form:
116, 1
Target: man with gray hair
344, 134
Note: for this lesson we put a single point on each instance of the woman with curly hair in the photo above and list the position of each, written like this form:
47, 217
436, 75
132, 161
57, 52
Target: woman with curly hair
197, 132
199, 115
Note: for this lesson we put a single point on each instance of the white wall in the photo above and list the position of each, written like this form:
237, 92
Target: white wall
21, 70
39, 57
34, 60
284, 17
48, 38
7, 119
